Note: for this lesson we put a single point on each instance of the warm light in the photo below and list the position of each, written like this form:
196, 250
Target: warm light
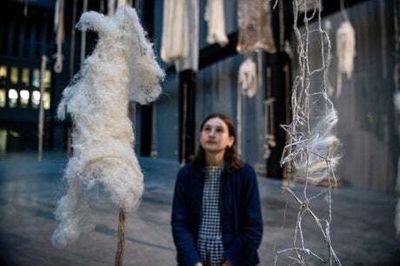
12, 98
46, 100
24, 95
12, 94
2, 98
35, 99
3, 71
14, 75
25, 76
47, 79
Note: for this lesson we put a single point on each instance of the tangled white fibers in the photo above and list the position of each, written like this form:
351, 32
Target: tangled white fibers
121, 67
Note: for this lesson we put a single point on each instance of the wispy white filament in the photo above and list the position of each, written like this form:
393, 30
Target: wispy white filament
311, 150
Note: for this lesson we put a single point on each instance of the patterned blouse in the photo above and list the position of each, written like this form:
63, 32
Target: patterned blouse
210, 244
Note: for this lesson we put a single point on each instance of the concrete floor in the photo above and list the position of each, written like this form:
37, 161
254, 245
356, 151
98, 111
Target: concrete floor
362, 228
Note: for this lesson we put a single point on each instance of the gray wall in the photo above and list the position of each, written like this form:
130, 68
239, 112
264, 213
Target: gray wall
366, 112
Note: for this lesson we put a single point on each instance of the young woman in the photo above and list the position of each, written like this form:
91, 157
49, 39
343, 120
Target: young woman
216, 214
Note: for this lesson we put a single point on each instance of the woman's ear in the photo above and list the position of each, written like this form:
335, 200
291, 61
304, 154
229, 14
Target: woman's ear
231, 141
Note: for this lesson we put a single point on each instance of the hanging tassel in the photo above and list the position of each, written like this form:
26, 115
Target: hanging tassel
59, 29
346, 51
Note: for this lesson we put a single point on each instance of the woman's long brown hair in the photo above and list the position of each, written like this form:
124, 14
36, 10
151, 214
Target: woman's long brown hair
231, 157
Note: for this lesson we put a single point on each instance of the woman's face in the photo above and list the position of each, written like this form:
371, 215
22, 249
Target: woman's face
214, 137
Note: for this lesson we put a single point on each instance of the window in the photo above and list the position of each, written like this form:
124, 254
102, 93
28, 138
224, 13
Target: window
36, 78
3, 72
14, 75
12, 98
25, 77
35, 99
2, 98
46, 100
24, 98
47, 79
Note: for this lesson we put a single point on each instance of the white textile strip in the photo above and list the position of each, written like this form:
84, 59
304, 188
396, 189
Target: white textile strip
192, 60
175, 35
215, 17
346, 51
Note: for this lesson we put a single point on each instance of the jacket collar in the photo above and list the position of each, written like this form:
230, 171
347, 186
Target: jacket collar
201, 173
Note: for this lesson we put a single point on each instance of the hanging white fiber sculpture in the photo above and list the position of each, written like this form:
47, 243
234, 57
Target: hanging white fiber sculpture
346, 51
122, 66
175, 36
215, 17
248, 77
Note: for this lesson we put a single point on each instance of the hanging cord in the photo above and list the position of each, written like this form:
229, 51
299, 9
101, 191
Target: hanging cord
343, 11
83, 36
41, 108
73, 39
26, 8
59, 29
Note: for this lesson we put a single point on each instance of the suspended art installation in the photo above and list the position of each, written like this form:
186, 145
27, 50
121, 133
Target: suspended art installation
59, 30
121, 68
191, 61
215, 17
255, 26
311, 149
248, 77
346, 51
175, 36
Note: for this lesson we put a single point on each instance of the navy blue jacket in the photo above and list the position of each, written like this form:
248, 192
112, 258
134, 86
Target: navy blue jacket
241, 219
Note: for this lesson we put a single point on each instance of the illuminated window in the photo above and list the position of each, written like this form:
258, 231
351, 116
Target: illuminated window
47, 79
3, 75
2, 98
12, 98
46, 101
24, 98
36, 78
25, 76
14, 75
35, 99
3, 71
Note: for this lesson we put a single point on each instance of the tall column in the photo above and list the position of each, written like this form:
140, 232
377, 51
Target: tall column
187, 114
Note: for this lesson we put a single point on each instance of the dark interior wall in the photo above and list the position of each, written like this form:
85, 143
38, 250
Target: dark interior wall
218, 92
167, 124
365, 107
